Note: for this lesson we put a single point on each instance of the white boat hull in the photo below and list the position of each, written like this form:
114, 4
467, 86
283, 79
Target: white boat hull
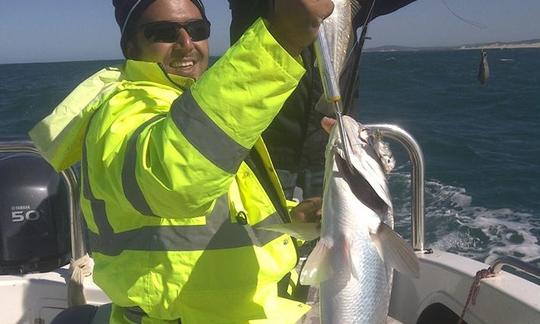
37, 298
446, 279
444, 284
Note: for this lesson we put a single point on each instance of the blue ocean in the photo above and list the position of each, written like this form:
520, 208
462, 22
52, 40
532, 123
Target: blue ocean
481, 143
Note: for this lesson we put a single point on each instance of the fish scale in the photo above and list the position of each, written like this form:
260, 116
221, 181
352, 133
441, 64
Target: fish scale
338, 32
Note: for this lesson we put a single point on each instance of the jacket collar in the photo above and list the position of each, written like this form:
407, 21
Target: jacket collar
153, 72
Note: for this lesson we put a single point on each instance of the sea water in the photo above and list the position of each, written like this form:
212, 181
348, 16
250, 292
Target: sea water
481, 144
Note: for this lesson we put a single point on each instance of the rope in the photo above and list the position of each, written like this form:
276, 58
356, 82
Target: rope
79, 269
467, 21
475, 288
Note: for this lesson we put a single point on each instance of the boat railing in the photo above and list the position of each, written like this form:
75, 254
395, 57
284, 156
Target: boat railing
525, 267
417, 177
69, 177
417, 195
386, 130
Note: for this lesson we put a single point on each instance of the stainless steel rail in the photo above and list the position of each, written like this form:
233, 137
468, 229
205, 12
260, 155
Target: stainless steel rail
78, 248
417, 177
530, 269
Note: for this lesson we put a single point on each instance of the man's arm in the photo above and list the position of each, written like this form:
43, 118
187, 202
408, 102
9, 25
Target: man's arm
211, 128
182, 163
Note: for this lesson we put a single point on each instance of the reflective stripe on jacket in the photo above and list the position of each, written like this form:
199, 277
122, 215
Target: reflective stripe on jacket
172, 209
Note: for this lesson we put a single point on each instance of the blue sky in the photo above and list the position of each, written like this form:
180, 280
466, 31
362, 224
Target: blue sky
68, 30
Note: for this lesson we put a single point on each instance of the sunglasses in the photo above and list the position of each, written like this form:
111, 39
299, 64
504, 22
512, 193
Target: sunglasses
169, 31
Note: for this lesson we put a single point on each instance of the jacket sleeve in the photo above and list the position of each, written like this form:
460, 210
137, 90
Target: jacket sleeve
182, 162
58, 137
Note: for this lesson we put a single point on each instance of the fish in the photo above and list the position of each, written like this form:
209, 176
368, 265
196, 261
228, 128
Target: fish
339, 31
340, 36
357, 252
353, 261
354, 258
483, 68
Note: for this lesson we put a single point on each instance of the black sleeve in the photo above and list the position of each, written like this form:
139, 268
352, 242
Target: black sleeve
244, 13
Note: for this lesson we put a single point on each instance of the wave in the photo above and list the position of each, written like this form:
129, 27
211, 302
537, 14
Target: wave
454, 224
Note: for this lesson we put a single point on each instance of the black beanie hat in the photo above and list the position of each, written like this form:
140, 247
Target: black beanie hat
127, 11
124, 10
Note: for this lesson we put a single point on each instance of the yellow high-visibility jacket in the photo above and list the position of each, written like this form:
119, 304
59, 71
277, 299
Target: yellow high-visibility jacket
172, 207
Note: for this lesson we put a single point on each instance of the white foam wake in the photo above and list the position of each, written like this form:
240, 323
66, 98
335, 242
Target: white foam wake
454, 224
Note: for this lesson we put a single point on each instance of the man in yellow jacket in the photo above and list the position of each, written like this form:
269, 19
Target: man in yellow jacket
176, 182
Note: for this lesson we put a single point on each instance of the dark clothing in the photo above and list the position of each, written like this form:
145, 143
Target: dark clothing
381, 8
82, 314
244, 13
295, 139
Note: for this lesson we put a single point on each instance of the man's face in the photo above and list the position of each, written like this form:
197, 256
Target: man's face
184, 57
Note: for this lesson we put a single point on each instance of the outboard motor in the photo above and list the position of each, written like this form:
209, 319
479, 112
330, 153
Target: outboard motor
34, 212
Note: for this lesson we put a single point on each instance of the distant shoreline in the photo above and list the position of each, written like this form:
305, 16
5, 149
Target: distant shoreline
532, 43
500, 46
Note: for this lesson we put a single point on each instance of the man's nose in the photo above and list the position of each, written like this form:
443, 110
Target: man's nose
184, 40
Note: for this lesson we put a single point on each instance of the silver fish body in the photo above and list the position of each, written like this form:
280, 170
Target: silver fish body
339, 37
356, 253
338, 30
345, 298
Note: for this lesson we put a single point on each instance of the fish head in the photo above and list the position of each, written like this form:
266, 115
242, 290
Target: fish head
367, 178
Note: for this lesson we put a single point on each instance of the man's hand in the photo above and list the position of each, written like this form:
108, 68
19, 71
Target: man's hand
307, 211
328, 123
295, 23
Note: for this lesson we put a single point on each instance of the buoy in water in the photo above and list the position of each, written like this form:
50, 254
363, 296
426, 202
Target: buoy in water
483, 68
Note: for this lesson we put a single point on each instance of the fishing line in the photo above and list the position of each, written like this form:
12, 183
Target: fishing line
366, 23
467, 21
349, 80
360, 40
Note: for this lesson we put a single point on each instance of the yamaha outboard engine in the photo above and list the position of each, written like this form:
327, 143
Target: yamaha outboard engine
34, 213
